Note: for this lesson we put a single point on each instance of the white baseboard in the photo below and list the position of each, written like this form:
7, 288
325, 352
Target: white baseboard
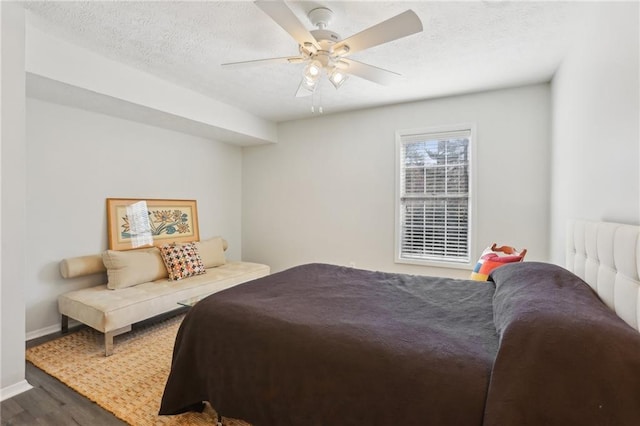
15, 389
49, 330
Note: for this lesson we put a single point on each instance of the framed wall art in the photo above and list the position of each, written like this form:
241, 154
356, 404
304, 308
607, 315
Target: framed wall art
136, 223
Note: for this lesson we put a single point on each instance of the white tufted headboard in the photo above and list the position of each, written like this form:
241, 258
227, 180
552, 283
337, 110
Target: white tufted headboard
607, 256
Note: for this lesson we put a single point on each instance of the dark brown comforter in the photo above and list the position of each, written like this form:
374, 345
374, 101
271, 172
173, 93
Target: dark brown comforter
564, 357
327, 345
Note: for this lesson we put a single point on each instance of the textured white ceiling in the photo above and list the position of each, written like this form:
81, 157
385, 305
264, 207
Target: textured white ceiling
465, 47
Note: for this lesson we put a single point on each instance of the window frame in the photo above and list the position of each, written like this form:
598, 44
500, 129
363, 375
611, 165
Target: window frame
444, 263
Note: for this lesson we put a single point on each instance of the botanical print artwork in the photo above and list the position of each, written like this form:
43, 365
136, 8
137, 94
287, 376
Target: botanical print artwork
139, 223
160, 222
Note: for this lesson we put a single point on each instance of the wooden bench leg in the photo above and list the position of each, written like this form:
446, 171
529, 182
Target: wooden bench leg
64, 326
108, 338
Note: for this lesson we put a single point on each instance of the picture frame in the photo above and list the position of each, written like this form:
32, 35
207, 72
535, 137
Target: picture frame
136, 223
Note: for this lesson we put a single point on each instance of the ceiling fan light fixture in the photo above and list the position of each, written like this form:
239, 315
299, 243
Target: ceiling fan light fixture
308, 85
312, 70
337, 77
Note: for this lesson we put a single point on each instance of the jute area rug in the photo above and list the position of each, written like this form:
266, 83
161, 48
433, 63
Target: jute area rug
128, 383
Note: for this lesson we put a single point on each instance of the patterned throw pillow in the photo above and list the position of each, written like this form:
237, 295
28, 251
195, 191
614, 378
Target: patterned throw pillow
182, 260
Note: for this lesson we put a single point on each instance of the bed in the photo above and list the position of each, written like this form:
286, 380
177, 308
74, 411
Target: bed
322, 344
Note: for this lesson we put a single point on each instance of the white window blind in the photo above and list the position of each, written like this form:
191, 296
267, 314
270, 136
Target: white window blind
434, 196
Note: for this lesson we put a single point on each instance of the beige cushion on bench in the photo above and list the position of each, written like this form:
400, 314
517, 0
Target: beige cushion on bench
106, 310
93, 264
81, 266
129, 268
212, 251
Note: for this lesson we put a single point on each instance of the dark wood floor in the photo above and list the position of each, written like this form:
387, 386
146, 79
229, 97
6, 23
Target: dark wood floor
51, 402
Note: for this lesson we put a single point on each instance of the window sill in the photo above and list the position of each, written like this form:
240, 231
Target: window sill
464, 265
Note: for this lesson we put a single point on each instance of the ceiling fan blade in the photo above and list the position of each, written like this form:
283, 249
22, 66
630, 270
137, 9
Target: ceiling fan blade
368, 72
280, 12
282, 60
399, 26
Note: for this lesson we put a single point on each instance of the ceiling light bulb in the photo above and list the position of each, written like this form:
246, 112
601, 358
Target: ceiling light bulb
312, 71
337, 78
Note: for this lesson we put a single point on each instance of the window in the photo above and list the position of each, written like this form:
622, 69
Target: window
434, 196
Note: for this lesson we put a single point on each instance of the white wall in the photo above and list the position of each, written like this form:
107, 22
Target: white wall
77, 159
596, 121
325, 192
13, 177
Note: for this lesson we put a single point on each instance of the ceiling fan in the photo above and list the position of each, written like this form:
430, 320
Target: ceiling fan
325, 52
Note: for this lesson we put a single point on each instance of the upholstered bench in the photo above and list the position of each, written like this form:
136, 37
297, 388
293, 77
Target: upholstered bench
145, 289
